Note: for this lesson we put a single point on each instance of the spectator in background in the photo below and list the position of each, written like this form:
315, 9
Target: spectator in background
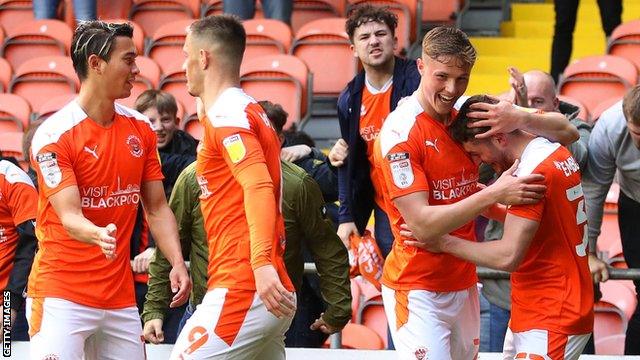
305, 226
614, 147
18, 243
362, 107
272, 9
566, 14
48, 9
177, 148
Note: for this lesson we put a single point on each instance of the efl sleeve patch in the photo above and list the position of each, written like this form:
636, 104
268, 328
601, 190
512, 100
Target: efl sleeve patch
235, 148
402, 173
49, 168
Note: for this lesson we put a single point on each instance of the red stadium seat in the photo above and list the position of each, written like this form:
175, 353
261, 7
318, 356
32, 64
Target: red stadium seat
372, 315
193, 127
602, 107
166, 43
174, 82
15, 12
14, 113
38, 79
356, 336
53, 105
266, 37
11, 144
583, 114
153, 14
610, 345
212, 7
109, 9
625, 42
590, 77
149, 78
281, 79
305, 11
608, 320
138, 33
323, 42
618, 294
6, 72
441, 11
405, 31
34, 39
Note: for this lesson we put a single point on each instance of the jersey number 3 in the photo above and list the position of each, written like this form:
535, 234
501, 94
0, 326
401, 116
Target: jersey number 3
573, 194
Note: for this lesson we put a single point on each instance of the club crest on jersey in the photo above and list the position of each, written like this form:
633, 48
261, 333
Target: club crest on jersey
421, 353
135, 146
49, 168
402, 173
235, 147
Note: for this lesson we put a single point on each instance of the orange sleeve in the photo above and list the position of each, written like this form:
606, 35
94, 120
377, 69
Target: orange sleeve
533, 211
402, 170
243, 154
23, 202
54, 167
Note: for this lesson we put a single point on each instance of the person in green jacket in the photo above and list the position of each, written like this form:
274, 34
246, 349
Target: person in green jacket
306, 225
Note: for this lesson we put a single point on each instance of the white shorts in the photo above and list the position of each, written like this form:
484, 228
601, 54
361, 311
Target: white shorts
433, 325
543, 345
61, 329
232, 324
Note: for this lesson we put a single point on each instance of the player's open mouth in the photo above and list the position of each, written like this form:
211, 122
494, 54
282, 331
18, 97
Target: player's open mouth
445, 99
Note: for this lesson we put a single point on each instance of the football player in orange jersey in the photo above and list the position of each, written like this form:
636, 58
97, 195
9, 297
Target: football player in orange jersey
96, 160
544, 244
250, 300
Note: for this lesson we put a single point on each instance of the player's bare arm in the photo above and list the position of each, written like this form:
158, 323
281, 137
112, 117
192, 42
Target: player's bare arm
66, 203
505, 254
433, 221
503, 117
163, 227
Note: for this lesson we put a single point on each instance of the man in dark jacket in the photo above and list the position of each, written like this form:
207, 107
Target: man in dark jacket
362, 107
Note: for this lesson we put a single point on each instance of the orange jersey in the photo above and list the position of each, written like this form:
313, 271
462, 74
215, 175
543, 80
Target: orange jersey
552, 288
415, 153
108, 165
376, 105
238, 134
18, 203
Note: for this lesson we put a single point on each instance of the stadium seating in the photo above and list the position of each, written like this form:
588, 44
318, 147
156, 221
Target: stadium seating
603, 106
625, 42
109, 9
305, 11
40, 78
266, 37
618, 294
356, 336
590, 77
192, 126
323, 42
153, 14
583, 114
6, 73
52, 105
138, 33
14, 113
165, 47
36, 38
405, 32
15, 12
608, 320
281, 79
610, 345
11, 144
174, 81
441, 11
212, 7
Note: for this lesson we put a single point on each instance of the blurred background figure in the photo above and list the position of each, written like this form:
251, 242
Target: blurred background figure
272, 9
48, 9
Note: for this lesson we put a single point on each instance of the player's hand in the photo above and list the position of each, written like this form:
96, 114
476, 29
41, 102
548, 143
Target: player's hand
294, 153
598, 268
107, 241
322, 325
180, 284
345, 230
502, 117
516, 80
153, 331
518, 190
338, 153
275, 297
431, 245
141, 262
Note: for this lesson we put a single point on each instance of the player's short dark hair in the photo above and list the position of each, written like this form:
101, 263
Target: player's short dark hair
631, 105
276, 114
95, 37
363, 14
459, 129
164, 102
224, 31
